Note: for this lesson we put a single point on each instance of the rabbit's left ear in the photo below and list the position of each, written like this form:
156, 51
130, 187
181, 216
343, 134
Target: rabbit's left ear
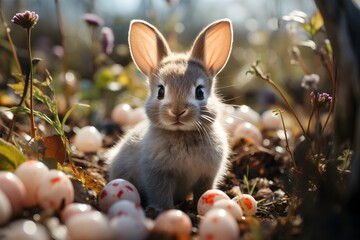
213, 45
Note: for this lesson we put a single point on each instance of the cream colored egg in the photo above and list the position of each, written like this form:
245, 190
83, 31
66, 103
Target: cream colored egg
88, 139
31, 173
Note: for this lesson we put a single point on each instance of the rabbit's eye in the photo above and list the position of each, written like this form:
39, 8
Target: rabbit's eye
199, 92
161, 92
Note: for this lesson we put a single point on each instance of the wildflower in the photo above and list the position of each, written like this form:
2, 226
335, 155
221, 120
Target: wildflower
107, 40
93, 19
310, 81
26, 19
321, 99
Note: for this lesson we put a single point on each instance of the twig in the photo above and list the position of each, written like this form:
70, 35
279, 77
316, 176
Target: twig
268, 79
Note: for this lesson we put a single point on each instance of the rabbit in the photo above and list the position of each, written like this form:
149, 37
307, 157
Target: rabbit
182, 147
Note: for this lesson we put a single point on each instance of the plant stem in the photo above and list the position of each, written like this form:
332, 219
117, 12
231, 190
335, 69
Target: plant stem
32, 122
268, 79
330, 68
287, 140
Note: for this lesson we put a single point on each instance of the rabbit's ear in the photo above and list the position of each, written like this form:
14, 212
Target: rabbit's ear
147, 46
213, 45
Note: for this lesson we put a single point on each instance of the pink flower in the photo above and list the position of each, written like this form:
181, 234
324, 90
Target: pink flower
26, 19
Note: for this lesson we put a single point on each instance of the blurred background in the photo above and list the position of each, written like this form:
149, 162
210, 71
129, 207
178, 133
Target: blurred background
82, 72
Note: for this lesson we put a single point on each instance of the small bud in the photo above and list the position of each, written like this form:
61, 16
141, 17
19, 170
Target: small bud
26, 19
93, 20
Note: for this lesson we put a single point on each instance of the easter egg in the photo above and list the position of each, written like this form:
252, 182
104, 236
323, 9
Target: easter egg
208, 199
88, 139
14, 189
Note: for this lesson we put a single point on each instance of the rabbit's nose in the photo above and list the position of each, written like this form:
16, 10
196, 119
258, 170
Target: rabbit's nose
177, 113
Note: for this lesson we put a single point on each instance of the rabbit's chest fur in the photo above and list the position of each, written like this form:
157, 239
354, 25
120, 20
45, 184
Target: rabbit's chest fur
183, 156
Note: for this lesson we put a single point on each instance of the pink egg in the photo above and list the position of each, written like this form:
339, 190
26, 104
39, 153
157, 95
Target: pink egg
128, 228
248, 131
56, 190
74, 209
26, 229
174, 222
90, 226
115, 190
14, 189
121, 114
208, 199
218, 224
31, 173
231, 206
247, 203
5, 208
88, 139
271, 120
126, 207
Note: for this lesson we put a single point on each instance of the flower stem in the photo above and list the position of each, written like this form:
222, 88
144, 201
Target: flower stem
32, 122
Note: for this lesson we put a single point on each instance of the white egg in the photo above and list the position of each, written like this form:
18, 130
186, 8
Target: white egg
208, 199
115, 190
31, 173
14, 189
5, 208
88, 139
26, 229
247, 203
74, 209
121, 114
231, 206
271, 120
55, 191
247, 114
218, 224
127, 208
248, 131
128, 228
89, 225
174, 222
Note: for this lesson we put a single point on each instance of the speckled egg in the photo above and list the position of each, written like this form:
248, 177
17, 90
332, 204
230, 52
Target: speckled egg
55, 191
89, 225
88, 139
5, 208
128, 228
126, 207
74, 209
247, 203
26, 229
231, 206
31, 173
218, 224
115, 190
208, 199
14, 189
173, 222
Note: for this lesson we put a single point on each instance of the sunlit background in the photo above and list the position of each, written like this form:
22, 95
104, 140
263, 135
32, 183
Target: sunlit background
260, 33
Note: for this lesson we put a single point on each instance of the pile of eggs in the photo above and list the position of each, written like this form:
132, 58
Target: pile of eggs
32, 184
120, 217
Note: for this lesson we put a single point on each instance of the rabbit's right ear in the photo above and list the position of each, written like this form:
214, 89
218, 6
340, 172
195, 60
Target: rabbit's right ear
147, 46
